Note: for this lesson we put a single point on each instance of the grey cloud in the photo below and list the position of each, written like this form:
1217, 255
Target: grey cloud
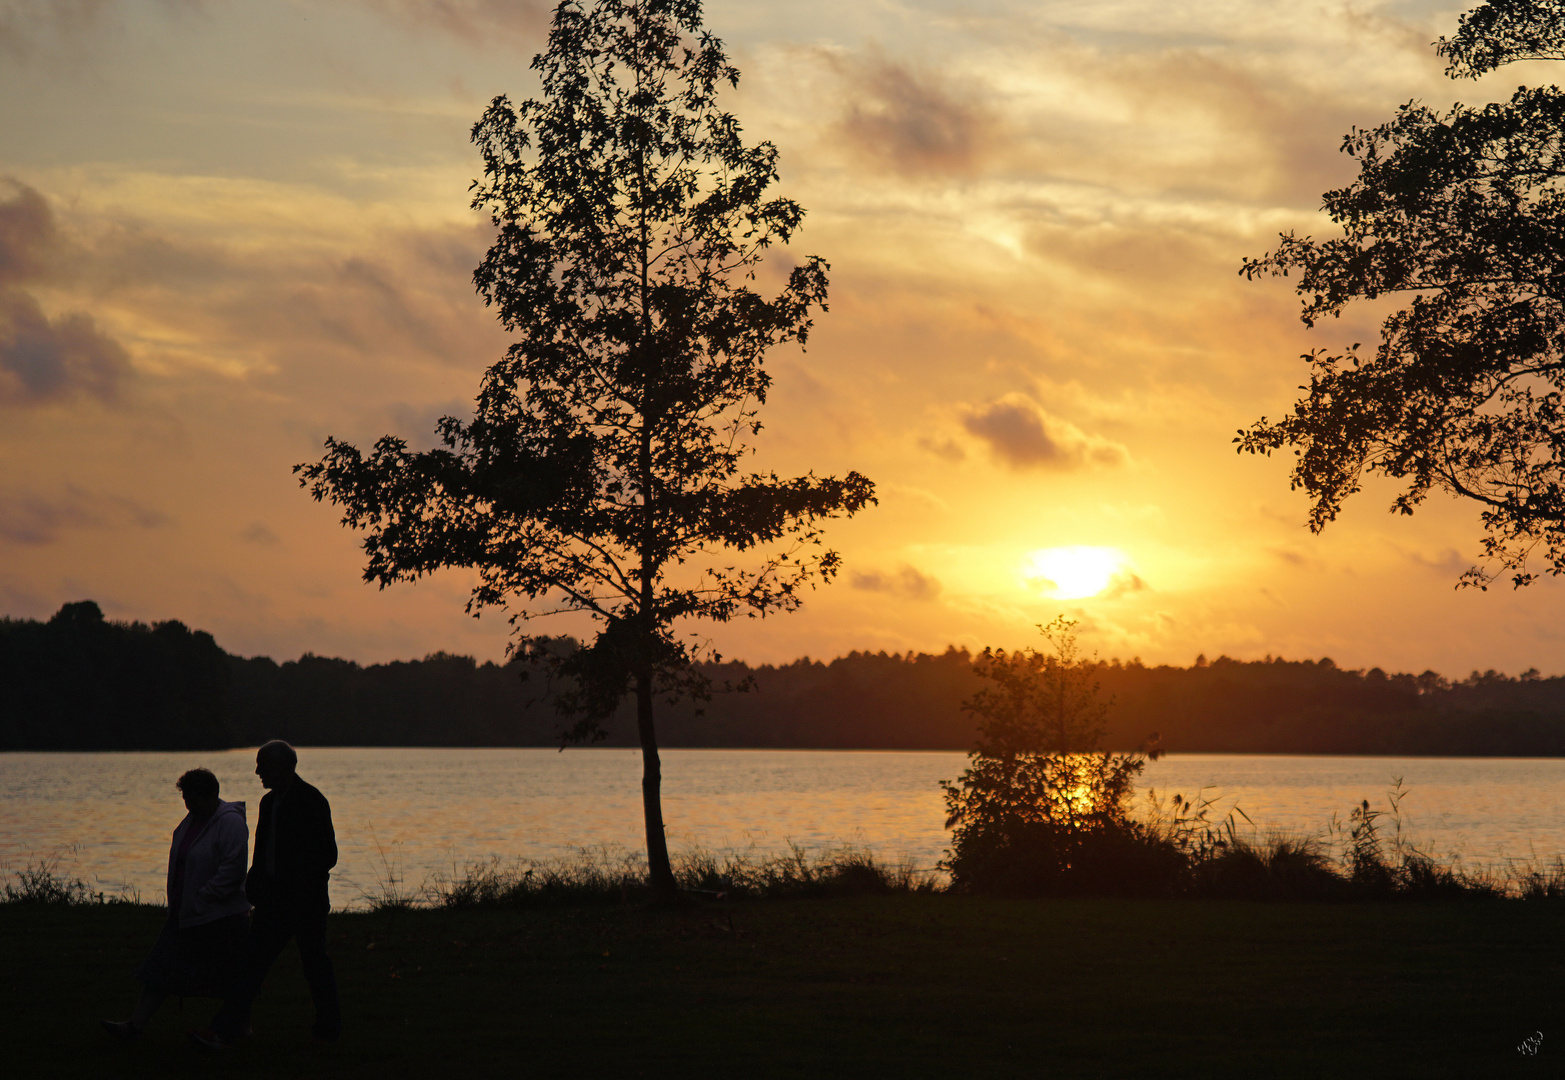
945, 449
1278, 140
26, 24
396, 301
29, 28
1132, 248
295, 320
908, 583
1448, 562
416, 423
1022, 435
384, 303
27, 234
43, 360
36, 520
1252, 128
922, 497
1124, 583
911, 121
130, 255
517, 23
1298, 559
451, 252
22, 603
257, 533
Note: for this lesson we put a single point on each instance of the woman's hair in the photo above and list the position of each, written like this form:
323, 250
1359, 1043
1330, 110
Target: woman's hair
198, 784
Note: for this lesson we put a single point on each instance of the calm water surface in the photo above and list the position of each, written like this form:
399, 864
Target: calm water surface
421, 812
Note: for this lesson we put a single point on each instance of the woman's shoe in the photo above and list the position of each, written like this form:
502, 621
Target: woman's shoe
121, 1029
208, 1039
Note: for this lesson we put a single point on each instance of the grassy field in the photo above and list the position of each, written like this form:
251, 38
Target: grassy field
911, 985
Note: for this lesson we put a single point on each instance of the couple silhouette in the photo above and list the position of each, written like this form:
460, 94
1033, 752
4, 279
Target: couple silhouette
226, 927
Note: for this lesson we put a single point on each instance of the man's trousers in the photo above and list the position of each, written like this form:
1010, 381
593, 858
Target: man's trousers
271, 926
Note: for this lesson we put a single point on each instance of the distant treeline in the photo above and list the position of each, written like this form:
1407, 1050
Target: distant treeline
80, 682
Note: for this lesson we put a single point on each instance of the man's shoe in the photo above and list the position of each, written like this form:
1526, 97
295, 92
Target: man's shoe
121, 1029
208, 1039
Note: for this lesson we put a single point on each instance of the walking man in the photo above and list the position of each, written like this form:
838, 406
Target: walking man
295, 849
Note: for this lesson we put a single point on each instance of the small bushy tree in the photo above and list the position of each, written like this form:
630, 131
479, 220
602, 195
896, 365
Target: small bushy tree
1041, 807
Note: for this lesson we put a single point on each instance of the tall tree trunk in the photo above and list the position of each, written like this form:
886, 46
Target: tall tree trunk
658, 865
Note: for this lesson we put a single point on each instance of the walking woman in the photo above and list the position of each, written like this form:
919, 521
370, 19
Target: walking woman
200, 949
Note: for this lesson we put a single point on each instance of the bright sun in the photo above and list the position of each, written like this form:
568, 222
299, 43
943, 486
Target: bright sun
1071, 573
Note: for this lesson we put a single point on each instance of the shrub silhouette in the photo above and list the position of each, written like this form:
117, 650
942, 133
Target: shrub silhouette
1041, 808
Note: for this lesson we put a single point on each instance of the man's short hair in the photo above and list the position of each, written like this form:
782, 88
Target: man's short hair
280, 752
198, 784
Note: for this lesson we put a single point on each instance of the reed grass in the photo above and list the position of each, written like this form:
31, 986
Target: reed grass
604, 876
1226, 864
1534, 883
390, 891
41, 882
1194, 847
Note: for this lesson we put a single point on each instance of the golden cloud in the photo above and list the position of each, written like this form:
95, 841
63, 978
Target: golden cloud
1022, 435
908, 583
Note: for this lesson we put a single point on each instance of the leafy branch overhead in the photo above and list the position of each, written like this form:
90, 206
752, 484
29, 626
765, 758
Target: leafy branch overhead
1462, 213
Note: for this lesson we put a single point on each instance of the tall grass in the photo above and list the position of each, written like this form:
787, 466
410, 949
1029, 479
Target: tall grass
594, 876
1368, 857
840, 871
390, 891
42, 882
606, 876
1194, 847
1189, 847
1532, 883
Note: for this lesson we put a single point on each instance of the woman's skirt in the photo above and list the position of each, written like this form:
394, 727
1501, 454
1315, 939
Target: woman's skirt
195, 961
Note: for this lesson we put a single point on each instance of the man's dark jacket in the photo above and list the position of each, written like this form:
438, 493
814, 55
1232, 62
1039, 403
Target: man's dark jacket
305, 852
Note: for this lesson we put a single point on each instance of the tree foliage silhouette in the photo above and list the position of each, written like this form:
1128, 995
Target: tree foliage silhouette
1463, 213
601, 472
1041, 807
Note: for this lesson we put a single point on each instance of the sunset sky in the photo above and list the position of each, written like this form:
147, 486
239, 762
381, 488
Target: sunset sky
230, 229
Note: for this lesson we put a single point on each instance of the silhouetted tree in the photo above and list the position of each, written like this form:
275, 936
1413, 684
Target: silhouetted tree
80, 681
1041, 807
1463, 212
601, 471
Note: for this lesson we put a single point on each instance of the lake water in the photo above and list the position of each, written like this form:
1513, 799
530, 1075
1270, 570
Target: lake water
422, 812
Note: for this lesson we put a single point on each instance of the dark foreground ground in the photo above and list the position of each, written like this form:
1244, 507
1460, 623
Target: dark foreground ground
904, 986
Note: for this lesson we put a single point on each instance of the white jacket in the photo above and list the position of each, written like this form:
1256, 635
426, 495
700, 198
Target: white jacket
214, 866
